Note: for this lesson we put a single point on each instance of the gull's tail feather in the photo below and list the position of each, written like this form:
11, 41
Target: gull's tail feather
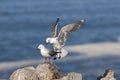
63, 53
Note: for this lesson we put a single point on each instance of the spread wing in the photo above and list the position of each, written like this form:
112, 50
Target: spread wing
54, 28
66, 30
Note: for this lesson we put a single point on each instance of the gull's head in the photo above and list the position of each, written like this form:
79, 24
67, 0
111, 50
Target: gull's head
48, 40
40, 46
51, 40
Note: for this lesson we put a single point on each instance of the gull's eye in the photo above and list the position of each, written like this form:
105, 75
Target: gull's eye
48, 40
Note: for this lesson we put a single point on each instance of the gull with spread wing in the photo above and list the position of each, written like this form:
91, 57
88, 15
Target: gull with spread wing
58, 40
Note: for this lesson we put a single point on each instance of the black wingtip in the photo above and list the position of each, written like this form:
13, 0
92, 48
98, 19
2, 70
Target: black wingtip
58, 18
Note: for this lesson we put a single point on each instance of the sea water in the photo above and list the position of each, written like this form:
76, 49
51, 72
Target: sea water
24, 24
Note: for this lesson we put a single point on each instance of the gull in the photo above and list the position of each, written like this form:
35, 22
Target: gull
58, 40
45, 52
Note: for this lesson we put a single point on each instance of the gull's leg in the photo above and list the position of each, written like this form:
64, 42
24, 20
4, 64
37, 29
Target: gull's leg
60, 50
59, 53
48, 61
54, 58
45, 60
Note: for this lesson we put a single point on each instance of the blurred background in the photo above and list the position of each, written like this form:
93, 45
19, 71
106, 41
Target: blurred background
24, 24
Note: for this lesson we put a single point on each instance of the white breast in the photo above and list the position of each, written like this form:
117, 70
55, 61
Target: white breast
45, 53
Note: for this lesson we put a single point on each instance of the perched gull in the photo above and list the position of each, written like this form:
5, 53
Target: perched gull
46, 52
58, 40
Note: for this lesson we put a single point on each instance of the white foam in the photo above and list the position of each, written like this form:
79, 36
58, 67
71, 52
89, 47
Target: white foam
97, 49
118, 39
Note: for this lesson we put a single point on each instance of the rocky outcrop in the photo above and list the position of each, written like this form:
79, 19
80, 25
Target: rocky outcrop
27, 73
108, 75
51, 72
72, 76
48, 72
42, 72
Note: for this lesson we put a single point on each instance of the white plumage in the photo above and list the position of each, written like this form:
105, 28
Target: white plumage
58, 40
46, 52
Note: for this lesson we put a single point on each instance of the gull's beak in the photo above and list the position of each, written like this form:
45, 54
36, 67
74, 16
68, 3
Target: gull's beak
46, 43
37, 49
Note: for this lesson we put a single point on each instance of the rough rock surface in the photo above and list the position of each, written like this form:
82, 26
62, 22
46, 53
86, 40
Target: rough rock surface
72, 76
108, 75
48, 72
51, 72
27, 73
41, 72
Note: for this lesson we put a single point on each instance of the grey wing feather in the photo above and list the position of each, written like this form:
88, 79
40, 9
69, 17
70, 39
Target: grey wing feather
66, 30
54, 28
52, 53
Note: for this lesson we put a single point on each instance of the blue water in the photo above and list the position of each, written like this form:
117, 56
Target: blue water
24, 24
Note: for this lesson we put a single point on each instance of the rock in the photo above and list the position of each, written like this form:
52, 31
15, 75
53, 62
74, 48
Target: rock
27, 73
72, 76
51, 72
42, 72
48, 72
108, 75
